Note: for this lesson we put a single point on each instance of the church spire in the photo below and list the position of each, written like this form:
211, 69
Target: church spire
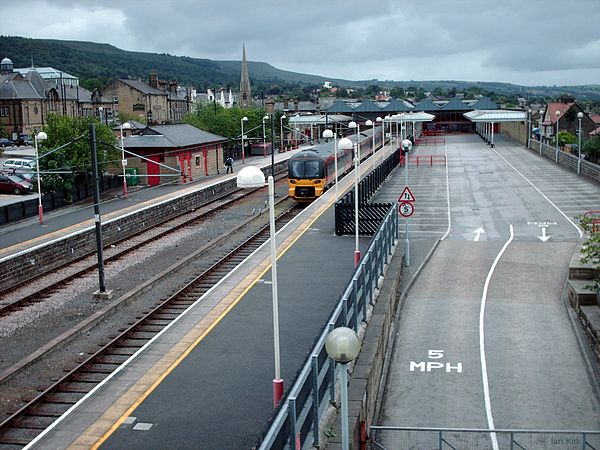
245, 100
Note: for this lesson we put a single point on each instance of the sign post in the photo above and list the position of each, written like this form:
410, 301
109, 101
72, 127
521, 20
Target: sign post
406, 198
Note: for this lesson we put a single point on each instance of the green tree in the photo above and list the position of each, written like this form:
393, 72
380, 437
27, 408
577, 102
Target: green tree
590, 250
564, 137
397, 92
592, 148
72, 164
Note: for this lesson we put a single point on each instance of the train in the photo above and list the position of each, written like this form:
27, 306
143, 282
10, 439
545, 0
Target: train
311, 172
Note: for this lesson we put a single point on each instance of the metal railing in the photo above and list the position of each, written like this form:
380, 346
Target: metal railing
396, 438
583, 167
370, 215
296, 424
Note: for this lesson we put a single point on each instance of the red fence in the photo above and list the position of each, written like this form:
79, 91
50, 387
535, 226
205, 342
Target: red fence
430, 141
424, 159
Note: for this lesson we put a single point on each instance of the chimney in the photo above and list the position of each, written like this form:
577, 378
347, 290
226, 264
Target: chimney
173, 86
162, 85
270, 106
296, 105
286, 102
154, 80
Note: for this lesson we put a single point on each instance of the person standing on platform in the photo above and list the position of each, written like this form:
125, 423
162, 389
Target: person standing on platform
229, 164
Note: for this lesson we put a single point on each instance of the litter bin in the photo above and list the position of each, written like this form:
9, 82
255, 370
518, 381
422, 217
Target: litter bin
132, 178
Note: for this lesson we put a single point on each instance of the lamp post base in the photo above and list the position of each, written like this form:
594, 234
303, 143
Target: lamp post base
125, 187
41, 214
277, 391
356, 258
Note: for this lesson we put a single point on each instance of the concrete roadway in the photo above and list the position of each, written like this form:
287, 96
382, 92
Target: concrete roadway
456, 339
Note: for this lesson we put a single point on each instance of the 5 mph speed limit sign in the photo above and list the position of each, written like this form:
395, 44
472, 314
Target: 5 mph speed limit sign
406, 209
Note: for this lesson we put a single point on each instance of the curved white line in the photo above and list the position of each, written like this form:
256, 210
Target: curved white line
541, 193
484, 376
447, 196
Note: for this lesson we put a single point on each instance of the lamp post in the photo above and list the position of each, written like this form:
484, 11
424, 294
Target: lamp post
342, 345
264, 120
380, 121
328, 134
281, 128
579, 117
346, 144
124, 126
252, 177
242, 120
406, 144
297, 119
369, 123
100, 112
41, 136
557, 121
541, 129
529, 128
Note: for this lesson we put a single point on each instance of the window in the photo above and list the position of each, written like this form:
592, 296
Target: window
116, 99
197, 161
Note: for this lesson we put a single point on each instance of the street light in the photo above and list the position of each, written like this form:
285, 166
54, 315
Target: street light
252, 177
100, 111
328, 134
281, 128
557, 121
264, 119
380, 120
346, 144
579, 117
242, 120
369, 123
529, 128
342, 345
541, 129
406, 145
41, 136
124, 126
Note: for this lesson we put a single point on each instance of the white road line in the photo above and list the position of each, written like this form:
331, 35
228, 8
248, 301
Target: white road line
484, 375
447, 196
541, 193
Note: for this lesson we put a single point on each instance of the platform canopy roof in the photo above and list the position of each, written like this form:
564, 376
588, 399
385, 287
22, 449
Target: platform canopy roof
496, 115
411, 117
318, 119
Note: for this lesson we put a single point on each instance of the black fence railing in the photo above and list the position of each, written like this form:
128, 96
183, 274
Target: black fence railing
54, 200
370, 215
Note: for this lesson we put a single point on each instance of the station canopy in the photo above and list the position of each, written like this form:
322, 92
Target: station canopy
411, 117
496, 115
318, 119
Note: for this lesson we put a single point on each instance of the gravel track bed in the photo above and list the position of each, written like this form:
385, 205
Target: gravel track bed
24, 332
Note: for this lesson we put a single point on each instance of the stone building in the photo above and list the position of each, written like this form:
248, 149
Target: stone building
245, 97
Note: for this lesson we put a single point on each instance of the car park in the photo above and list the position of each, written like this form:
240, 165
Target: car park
5, 142
19, 163
11, 184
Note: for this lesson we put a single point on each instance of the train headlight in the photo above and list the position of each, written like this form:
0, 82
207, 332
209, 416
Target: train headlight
317, 181
293, 181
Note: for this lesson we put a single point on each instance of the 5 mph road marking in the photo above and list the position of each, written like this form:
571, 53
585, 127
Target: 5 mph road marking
484, 376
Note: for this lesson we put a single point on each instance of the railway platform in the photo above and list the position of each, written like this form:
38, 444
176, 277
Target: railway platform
206, 380
18, 236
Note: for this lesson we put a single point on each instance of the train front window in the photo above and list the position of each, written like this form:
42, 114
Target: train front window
306, 169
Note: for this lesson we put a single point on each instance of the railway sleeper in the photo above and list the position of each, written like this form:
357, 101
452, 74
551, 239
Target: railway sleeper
18, 436
64, 398
47, 410
76, 387
143, 334
107, 358
129, 343
35, 422
88, 377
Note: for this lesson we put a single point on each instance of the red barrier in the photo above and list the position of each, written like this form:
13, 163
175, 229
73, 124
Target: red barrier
426, 159
430, 141
595, 216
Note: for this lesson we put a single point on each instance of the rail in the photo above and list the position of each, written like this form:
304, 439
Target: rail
430, 141
582, 167
392, 438
296, 422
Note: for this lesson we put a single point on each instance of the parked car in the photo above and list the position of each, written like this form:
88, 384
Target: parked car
14, 185
5, 142
25, 176
24, 139
19, 163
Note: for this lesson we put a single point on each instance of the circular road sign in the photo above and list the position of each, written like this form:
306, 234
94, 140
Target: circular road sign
406, 209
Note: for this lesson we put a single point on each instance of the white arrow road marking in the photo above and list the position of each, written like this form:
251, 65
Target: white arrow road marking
543, 237
478, 232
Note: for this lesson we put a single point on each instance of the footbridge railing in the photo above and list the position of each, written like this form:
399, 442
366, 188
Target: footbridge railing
296, 423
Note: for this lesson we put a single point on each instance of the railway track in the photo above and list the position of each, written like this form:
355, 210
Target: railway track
21, 427
114, 252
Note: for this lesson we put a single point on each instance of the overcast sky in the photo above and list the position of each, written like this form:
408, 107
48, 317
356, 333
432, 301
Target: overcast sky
527, 42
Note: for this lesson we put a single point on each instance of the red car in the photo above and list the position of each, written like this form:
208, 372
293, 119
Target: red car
14, 185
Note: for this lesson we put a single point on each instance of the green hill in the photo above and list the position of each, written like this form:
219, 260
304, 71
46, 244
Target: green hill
104, 62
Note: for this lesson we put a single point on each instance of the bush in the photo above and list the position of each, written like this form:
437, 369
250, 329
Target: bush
591, 247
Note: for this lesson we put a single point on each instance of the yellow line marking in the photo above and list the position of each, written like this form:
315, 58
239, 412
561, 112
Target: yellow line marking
136, 394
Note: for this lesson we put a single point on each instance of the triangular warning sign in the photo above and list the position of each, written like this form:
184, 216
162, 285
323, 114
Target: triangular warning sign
406, 196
